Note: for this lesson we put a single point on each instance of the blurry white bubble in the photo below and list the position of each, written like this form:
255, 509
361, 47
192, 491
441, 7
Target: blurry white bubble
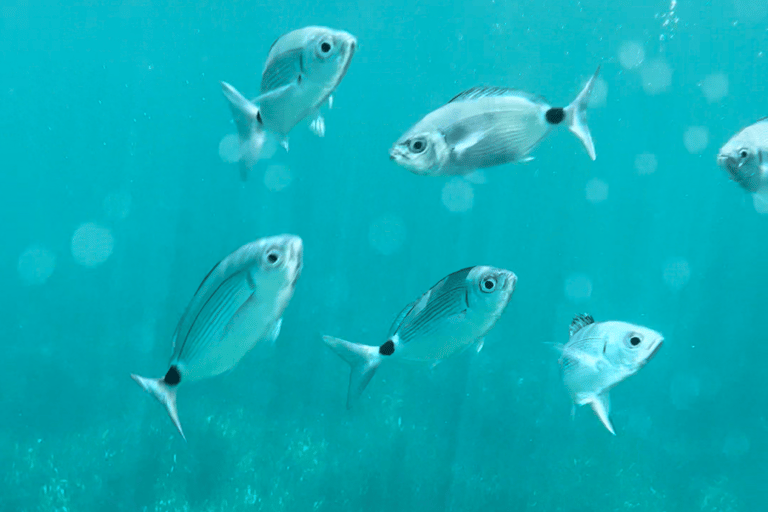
599, 94
736, 444
656, 76
715, 87
631, 54
676, 273
458, 195
277, 177
387, 233
751, 11
36, 265
684, 390
578, 287
696, 139
92, 244
477, 177
597, 190
229, 148
646, 163
117, 205
760, 203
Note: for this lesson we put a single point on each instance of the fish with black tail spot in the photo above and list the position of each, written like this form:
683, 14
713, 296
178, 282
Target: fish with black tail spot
454, 314
488, 126
303, 69
598, 356
239, 304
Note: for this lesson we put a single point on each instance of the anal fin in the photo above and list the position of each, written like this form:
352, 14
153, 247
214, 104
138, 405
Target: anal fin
601, 404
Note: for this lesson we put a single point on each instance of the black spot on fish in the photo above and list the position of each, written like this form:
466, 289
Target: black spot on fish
555, 115
173, 376
387, 349
258, 118
298, 79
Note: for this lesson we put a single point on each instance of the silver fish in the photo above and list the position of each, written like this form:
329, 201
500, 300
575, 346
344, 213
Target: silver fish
745, 158
239, 304
452, 315
485, 127
303, 69
600, 355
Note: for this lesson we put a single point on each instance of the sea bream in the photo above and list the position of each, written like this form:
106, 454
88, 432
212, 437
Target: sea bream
600, 355
239, 303
488, 126
454, 314
745, 158
302, 70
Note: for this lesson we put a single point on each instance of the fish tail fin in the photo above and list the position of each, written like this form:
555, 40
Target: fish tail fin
363, 359
164, 394
250, 130
576, 116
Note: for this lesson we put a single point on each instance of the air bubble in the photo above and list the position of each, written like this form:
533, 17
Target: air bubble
92, 244
631, 54
696, 139
277, 177
387, 233
578, 287
458, 195
715, 87
596, 190
229, 148
760, 203
646, 163
477, 177
35, 265
656, 76
676, 273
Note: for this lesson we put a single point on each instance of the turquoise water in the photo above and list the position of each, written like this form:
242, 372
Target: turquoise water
117, 203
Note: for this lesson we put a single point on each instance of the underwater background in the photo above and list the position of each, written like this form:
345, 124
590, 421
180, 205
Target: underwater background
117, 199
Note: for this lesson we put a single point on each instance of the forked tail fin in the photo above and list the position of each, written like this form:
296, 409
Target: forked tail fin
363, 359
250, 130
165, 394
576, 116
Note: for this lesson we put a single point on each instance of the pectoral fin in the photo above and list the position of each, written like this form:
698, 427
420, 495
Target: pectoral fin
601, 404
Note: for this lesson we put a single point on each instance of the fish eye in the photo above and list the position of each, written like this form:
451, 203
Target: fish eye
272, 257
743, 154
488, 284
324, 48
417, 145
635, 341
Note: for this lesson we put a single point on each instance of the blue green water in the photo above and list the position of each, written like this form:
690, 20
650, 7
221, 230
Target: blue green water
116, 203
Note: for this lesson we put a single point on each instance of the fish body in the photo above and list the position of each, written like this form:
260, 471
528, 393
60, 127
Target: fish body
303, 68
239, 304
487, 126
453, 315
745, 158
598, 356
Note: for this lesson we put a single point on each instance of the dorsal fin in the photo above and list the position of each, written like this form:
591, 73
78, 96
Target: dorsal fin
486, 91
579, 321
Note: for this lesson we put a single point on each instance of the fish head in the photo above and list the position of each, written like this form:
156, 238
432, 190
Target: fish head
740, 158
489, 289
280, 257
629, 347
327, 54
421, 152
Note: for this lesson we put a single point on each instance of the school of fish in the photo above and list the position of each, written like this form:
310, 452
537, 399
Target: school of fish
240, 303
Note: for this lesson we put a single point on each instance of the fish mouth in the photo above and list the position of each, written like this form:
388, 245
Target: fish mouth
655, 349
395, 154
510, 283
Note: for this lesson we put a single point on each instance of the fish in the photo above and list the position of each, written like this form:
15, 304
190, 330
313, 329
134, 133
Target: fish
239, 304
485, 127
453, 315
303, 69
599, 355
745, 158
